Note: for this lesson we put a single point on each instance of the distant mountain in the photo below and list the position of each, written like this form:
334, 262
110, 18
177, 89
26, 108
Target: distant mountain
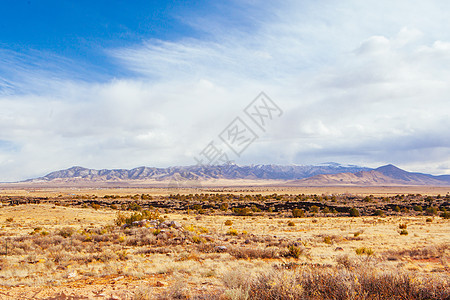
386, 175
231, 171
328, 174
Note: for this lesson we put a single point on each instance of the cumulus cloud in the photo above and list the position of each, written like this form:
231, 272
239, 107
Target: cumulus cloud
353, 88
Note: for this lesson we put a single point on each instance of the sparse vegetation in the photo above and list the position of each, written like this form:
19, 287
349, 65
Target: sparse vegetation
354, 212
364, 250
298, 213
134, 248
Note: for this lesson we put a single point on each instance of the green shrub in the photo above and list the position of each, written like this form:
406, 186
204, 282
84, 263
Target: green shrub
228, 223
418, 208
354, 212
134, 206
255, 208
245, 211
431, 211
137, 216
224, 206
314, 209
298, 213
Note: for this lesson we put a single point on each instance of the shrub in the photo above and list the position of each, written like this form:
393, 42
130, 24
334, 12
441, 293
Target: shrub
404, 232
402, 226
224, 206
354, 212
255, 208
379, 213
429, 220
298, 213
245, 211
431, 211
445, 215
397, 209
228, 223
197, 239
137, 216
291, 223
327, 240
65, 232
294, 251
314, 209
364, 250
134, 206
418, 208
232, 232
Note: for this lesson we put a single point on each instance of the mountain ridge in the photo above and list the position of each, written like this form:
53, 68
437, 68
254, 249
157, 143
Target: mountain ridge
296, 175
231, 171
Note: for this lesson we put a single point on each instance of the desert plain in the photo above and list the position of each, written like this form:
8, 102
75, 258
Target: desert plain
225, 243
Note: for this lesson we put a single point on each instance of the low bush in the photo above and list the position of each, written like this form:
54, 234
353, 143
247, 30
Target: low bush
298, 213
418, 208
137, 216
354, 212
245, 211
364, 250
445, 215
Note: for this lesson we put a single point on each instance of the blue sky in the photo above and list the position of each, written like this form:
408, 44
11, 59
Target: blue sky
120, 84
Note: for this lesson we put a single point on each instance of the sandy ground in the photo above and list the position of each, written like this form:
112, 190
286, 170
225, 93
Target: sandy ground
324, 239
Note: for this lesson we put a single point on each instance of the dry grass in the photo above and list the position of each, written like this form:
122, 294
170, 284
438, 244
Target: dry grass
83, 251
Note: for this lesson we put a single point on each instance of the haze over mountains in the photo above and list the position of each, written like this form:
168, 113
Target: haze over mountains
329, 174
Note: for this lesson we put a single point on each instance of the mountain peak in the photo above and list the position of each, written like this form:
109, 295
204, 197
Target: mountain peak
389, 167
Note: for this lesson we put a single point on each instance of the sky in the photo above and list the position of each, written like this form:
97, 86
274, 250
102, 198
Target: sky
123, 84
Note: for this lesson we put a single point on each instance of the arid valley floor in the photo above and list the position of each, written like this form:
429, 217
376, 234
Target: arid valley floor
243, 243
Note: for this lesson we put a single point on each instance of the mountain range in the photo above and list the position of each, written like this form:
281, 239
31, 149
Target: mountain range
329, 174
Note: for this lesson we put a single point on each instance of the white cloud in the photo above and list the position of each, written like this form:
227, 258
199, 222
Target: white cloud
355, 87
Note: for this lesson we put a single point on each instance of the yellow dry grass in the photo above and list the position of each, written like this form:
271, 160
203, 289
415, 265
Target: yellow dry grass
324, 240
